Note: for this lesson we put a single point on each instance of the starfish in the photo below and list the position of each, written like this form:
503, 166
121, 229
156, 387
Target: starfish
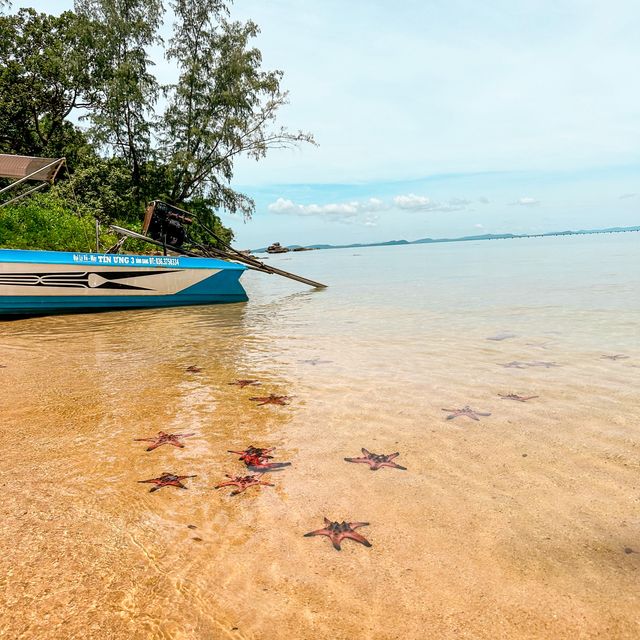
167, 480
465, 411
242, 482
375, 461
337, 531
256, 459
617, 356
539, 363
515, 396
270, 399
245, 383
502, 336
165, 438
515, 365
193, 369
540, 345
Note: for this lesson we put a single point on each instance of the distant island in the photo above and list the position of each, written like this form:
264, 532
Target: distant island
486, 236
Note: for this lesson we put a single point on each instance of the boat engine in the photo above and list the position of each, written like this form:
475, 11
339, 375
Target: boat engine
166, 223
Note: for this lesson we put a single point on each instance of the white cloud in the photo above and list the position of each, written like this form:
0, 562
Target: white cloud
624, 196
479, 226
361, 211
412, 202
333, 210
526, 202
483, 200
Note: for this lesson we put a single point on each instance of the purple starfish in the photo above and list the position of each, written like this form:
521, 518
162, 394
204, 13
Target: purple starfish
167, 480
338, 531
515, 365
375, 461
515, 396
540, 363
466, 411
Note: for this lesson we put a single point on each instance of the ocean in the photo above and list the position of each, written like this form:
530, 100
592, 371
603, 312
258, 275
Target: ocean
522, 523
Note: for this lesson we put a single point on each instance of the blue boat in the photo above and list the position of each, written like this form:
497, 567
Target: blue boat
188, 272
48, 282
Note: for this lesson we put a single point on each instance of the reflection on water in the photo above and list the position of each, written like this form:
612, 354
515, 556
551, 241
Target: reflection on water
520, 525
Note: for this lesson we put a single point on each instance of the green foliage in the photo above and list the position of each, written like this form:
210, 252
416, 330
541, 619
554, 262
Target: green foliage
45, 222
47, 70
104, 189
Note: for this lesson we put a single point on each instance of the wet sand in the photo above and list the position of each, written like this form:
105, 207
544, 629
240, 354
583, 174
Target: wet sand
522, 525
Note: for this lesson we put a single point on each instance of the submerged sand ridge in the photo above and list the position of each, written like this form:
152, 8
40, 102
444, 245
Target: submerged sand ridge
523, 524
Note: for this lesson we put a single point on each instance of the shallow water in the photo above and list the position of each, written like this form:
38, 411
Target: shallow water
524, 524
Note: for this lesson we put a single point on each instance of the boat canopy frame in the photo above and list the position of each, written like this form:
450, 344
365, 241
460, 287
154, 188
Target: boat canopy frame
22, 169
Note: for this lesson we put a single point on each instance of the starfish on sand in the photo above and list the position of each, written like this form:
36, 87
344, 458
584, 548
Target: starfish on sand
522, 365
466, 411
515, 396
167, 480
375, 461
505, 335
165, 438
256, 459
193, 369
338, 531
515, 364
617, 356
245, 383
242, 482
270, 399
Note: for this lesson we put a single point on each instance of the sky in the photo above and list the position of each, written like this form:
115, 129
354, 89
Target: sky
444, 118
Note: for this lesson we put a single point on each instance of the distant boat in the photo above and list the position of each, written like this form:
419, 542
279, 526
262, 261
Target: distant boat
276, 247
47, 282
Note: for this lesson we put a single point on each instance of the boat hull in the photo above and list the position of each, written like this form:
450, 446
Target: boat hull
49, 282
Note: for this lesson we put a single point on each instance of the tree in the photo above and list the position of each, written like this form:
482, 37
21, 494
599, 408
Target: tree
123, 115
47, 70
223, 105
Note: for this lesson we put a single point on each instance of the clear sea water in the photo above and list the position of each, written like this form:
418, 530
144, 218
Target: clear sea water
523, 524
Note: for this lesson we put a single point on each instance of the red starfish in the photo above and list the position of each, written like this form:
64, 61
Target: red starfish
270, 399
242, 482
167, 480
165, 438
515, 396
193, 369
465, 411
375, 461
256, 459
337, 531
617, 356
245, 383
